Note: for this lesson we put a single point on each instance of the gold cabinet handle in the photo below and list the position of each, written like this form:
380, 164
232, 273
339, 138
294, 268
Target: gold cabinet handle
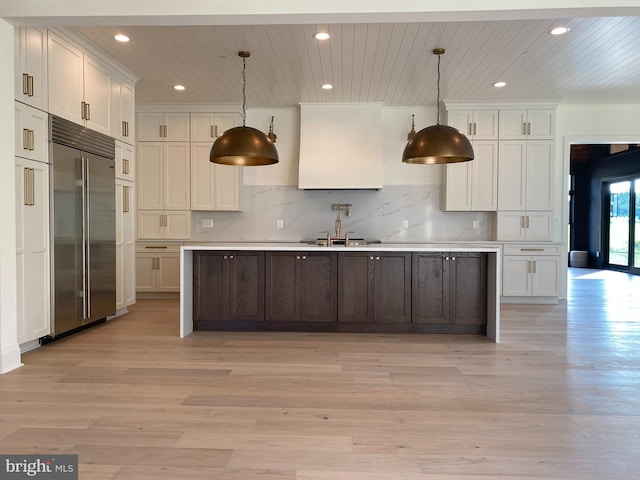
125, 199
532, 249
161, 130
529, 128
83, 110
534, 266
231, 257
297, 257
165, 131
32, 144
524, 129
124, 128
216, 131
453, 258
377, 258
475, 128
155, 246
88, 111
30, 86
25, 139
527, 221
25, 84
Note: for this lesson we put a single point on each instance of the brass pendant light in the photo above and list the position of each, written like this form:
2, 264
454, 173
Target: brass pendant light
243, 146
438, 144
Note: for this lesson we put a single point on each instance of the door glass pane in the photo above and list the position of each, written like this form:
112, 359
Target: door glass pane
619, 223
636, 249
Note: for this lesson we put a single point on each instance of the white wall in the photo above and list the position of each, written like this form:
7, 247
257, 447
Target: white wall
9, 350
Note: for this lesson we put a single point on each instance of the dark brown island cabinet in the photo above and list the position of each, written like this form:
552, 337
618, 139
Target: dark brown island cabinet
374, 288
301, 287
228, 289
449, 292
354, 291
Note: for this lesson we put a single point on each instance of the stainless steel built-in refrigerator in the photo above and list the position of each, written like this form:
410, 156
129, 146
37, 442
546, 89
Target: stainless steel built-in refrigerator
83, 226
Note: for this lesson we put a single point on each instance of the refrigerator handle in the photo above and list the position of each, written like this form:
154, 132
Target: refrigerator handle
85, 236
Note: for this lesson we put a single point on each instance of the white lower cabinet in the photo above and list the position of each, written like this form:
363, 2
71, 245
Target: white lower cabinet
158, 268
32, 249
530, 271
125, 244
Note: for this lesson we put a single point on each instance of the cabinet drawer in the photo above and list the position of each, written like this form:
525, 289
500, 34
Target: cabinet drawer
531, 249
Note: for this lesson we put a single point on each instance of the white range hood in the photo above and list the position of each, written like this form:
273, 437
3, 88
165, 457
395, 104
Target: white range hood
340, 146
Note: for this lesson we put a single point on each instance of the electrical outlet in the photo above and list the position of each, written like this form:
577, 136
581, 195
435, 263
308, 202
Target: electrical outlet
279, 224
405, 223
476, 224
207, 223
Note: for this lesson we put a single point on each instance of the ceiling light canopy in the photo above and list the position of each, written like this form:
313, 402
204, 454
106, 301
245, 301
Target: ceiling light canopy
438, 144
243, 146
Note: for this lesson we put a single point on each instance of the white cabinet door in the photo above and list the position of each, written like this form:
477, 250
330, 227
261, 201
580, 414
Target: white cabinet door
150, 127
150, 165
32, 133
532, 124
203, 127
125, 161
170, 127
146, 272
177, 179
458, 190
473, 186
512, 175
539, 175
541, 124
545, 276
32, 249
66, 79
177, 225
125, 244
97, 95
150, 224
516, 279
525, 226
122, 110
484, 176
213, 187
168, 272
31, 71
475, 124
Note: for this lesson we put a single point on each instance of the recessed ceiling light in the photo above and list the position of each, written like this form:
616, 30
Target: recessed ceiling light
327, 86
180, 88
321, 36
500, 84
121, 38
559, 30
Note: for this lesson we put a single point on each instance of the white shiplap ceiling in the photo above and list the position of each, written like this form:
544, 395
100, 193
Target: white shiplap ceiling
598, 61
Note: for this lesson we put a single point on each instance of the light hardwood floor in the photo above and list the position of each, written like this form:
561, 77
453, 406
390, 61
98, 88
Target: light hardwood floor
559, 398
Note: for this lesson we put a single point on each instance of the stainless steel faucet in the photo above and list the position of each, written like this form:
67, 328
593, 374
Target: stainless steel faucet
340, 207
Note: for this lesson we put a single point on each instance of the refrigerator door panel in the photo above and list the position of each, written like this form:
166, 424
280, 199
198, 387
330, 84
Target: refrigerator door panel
68, 246
101, 237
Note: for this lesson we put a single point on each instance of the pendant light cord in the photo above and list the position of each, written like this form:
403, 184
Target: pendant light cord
438, 99
244, 91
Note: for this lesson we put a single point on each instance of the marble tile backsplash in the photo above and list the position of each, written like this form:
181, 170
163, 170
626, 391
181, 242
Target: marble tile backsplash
375, 215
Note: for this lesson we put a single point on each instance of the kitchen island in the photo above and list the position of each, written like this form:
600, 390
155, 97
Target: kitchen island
360, 266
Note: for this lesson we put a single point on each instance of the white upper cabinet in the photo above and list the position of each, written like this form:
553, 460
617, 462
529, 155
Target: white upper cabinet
479, 124
516, 124
473, 186
122, 110
32, 133
31, 66
206, 127
163, 127
79, 86
163, 176
213, 187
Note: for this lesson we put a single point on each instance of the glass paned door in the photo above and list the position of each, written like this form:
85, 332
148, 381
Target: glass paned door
619, 223
636, 249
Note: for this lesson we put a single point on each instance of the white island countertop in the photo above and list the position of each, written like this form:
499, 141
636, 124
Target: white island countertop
493, 249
